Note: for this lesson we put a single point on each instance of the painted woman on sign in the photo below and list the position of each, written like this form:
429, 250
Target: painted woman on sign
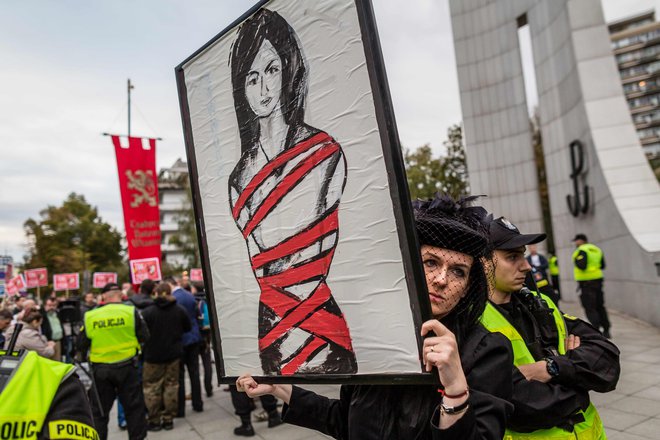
284, 196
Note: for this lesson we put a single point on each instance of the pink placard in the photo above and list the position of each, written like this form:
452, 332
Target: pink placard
145, 269
15, 285
66, 281
196, 275
36, 277
100, 279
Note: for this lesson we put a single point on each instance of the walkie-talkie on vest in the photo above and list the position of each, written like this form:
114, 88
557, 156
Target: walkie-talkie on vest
544, 319
9, 361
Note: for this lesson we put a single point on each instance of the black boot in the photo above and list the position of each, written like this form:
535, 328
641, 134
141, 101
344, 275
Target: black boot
246, 429
274, 419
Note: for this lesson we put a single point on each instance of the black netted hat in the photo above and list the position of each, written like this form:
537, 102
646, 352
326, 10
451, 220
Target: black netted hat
446, 223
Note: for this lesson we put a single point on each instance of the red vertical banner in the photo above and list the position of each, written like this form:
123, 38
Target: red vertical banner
138, 184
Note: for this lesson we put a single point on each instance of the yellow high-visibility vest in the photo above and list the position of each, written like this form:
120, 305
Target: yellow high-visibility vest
592, 427
594, 261
25, 402
111, 328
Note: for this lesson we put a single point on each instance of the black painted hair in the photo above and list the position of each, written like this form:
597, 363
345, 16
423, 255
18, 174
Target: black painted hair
455, 225
268, 25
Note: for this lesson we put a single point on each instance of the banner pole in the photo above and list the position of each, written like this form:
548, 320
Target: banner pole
129, 106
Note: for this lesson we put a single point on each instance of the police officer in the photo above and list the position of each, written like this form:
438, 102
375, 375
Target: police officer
588, 265
558, 358
113, 334
539, 273
42, 399
553, 268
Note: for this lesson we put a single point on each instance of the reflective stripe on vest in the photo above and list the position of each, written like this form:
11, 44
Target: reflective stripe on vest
26, 399
594, 260
111, 329
592, 427
552, 266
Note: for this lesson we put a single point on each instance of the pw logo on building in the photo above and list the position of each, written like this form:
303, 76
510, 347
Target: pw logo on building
578, 203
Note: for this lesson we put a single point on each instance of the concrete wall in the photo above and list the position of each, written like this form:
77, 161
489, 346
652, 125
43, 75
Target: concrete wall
580, 97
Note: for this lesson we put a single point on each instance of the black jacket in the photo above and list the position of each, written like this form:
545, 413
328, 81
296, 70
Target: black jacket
140, 300
70, 404
365, 412
593, 366
167, 322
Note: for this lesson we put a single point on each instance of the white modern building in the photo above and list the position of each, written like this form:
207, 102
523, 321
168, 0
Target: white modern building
172, 202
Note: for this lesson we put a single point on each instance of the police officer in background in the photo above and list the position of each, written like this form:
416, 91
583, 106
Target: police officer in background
113, 334
588, 265
42, 399
558, 358
553, 268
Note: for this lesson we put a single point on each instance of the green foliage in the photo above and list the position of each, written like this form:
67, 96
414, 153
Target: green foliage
448, 174
72, 238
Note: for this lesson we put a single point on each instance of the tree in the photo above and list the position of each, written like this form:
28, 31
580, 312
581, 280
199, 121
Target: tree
424, 172
448, 174
454, 165
72, 238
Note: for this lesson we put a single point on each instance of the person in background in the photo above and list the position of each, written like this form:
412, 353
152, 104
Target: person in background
553, 268
5, 321
26, 304
51, 326
30, 338
126, 291
190, 357
162, 355
142, 299
205, 330
88, 303
18, 304
588, 265
539, 273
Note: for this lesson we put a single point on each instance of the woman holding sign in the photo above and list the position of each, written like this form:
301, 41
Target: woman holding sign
473, 365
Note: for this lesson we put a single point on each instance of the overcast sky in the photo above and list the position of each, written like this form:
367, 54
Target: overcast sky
63, 83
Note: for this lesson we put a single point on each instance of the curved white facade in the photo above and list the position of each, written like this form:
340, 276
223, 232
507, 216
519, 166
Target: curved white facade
580, 98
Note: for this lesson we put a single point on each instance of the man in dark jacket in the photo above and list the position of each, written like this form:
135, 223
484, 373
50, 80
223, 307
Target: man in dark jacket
190, 356
142, 299
162, 354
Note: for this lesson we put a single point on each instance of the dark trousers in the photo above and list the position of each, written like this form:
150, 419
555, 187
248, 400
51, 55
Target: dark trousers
555, 284
123, 382
190, 360
205, 354
243, 403
593, 301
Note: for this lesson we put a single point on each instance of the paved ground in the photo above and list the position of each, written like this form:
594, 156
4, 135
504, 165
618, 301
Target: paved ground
631, 412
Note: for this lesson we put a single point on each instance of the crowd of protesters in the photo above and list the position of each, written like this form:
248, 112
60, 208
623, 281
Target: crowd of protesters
173, 311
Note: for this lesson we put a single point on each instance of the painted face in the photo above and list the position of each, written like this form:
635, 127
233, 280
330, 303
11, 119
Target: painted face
447, 275
263, 83
511, 266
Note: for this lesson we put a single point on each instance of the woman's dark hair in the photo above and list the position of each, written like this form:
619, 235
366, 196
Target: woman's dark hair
268, 25
147, 287
453, 224
163, 289
31, 315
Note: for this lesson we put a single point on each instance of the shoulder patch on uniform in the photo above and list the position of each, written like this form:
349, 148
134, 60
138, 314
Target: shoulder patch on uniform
70, 429
570, 317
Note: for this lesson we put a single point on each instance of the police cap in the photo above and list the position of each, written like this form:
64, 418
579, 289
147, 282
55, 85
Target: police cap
505, 235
